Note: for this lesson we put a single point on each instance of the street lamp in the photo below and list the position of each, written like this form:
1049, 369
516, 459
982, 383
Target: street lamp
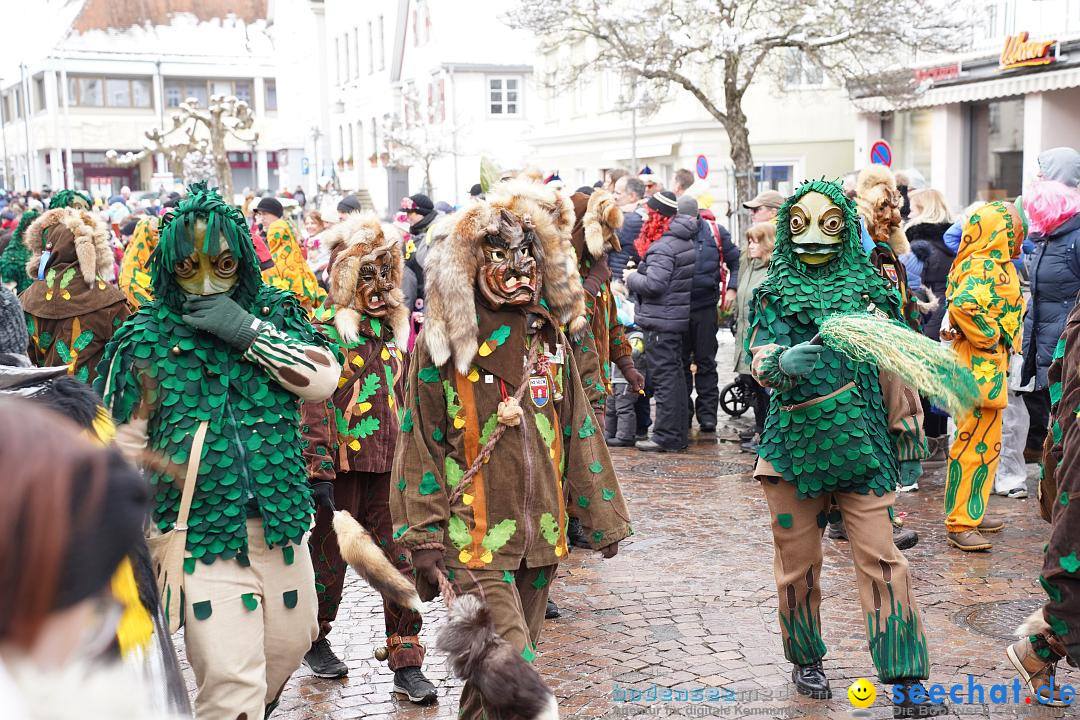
637, 102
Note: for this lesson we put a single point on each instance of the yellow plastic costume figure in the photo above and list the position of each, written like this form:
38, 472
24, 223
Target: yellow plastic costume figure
291, 271
134, 279
985, 307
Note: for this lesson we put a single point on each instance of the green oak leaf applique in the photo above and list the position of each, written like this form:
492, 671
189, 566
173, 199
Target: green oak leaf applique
549, 528
459, 533
499, 535
428, 484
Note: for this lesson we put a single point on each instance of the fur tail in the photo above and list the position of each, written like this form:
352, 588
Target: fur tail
1034, 625
505, 681
367, 559
931, 303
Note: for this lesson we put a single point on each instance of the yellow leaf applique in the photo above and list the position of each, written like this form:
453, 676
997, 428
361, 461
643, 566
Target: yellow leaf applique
984, 372
363, 407
467, 498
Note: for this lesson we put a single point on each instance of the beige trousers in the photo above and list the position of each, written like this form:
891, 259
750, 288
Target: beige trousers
246, 629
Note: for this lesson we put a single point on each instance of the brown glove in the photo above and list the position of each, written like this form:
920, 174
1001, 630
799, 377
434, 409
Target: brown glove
428, 564
633, 377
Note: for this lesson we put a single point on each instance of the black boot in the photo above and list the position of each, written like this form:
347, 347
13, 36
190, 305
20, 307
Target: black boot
323, 662
810, 681
552, 610
575, 535
904, 538
410, 682
836, 530
908, 708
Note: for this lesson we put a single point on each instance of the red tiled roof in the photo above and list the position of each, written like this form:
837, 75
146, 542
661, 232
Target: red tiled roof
110, 14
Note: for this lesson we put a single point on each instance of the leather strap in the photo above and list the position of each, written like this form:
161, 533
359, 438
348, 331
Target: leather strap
191, 477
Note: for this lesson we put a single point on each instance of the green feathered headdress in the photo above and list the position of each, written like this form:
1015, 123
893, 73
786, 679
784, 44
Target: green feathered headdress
63, 198
177, 241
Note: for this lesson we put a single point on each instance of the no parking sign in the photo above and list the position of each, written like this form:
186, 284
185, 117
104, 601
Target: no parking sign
881, 153
702, 167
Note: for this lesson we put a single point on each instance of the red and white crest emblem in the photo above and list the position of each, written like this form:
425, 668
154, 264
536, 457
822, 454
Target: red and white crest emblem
540, 390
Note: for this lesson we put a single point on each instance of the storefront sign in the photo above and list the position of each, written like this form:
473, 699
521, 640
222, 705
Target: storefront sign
937, 74
1020, 52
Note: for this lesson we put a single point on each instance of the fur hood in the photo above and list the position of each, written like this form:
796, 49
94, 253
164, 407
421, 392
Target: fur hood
876, 197
456, 255
78, 236
354, 240
598, 220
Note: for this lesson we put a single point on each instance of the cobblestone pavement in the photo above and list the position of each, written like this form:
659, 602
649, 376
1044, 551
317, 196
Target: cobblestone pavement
689, 602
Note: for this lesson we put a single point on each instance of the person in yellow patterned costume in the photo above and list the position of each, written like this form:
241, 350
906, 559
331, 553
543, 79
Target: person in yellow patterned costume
985, 307
134, 279
290, 271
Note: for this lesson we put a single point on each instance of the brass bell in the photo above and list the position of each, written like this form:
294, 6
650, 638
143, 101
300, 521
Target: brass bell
175, 350
381, 653
265, 311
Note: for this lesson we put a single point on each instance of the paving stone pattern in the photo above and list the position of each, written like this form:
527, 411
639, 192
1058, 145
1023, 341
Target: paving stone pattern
689, 602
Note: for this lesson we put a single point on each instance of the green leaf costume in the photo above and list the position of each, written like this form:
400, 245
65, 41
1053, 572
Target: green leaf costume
159, 368
828, 431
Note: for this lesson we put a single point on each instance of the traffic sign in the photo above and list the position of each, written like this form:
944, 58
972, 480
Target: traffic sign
881, 154
305, 167
702, 167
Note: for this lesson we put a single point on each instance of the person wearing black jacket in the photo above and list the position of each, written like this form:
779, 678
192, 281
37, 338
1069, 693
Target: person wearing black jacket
421, 213
662, 285
699, 343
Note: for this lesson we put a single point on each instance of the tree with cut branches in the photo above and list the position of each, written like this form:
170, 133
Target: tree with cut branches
415, 138
195, 144
716, 49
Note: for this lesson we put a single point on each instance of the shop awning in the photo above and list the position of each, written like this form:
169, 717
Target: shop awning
986, 90
644, 151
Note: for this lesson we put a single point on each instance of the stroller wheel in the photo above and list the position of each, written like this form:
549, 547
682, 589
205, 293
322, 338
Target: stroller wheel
733, 399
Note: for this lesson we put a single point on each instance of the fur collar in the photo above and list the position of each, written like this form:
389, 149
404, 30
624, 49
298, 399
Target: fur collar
456, 255
82, 238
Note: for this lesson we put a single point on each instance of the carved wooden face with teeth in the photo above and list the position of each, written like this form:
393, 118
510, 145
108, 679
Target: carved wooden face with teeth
374, 283
510, 275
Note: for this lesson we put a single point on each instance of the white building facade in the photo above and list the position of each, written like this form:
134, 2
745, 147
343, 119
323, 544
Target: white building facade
801, 130
115, 75
982, 115
449, 74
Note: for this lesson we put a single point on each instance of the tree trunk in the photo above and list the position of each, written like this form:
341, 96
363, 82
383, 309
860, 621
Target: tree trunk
742, 158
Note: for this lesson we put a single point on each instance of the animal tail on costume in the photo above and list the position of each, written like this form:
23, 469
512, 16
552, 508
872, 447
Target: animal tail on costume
1035, 624
479, 656
367, 559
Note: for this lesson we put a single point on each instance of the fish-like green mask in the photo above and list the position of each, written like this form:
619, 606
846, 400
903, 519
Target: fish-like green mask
817, 226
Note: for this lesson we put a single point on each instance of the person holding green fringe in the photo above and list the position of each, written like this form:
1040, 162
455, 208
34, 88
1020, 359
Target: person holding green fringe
831, 434
203, 382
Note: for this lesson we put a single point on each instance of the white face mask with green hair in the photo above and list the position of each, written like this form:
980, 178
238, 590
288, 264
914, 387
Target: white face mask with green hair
204, 274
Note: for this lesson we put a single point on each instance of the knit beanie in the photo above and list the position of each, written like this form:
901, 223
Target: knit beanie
664, 202
688, 206
13, 336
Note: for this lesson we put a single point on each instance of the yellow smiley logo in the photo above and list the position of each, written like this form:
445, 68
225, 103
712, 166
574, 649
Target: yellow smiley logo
862, 693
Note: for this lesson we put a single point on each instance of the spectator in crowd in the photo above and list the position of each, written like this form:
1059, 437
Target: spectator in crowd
699, 344
764, 206
760, 239
629, 194
421, 214
683, 180
930, 219
318, 256
290, 271
611, 177
651, 181
662, 285
348, 205
300, 197
1052, 205
476, 193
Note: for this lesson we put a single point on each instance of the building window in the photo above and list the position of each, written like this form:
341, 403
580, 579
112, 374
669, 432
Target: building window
775, 176
437, 100
39, 93
370, 48
177, 91
18, 102
242, 90
356, 55
379, 38
503, 96
996, 134
110, 92
337, 61
270, 91
421, 23
800, 72
909, 132
348, 58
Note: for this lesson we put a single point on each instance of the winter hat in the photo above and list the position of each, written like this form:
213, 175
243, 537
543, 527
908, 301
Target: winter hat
647, 175
1061, 164
271, 205
420, 203
129, 227
349, 204
13, 335
664, 202
476, 191
554, 180
688, 206
444, 207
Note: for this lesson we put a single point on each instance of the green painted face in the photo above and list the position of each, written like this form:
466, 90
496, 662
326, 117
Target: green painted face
816, 225
203, 274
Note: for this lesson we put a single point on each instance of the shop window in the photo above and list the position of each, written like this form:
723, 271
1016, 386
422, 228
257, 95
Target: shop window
39, 93
909, 134
996, 133
503, 97
775, 176
109, 92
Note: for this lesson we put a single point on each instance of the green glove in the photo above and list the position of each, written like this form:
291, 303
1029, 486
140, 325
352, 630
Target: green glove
910, 472
220, 315
800, 359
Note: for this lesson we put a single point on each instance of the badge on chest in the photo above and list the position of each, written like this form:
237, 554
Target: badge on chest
540, 390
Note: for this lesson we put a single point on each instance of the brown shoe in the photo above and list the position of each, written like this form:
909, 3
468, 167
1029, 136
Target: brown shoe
1035, 671
991, 524
969, 541
1032, 455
